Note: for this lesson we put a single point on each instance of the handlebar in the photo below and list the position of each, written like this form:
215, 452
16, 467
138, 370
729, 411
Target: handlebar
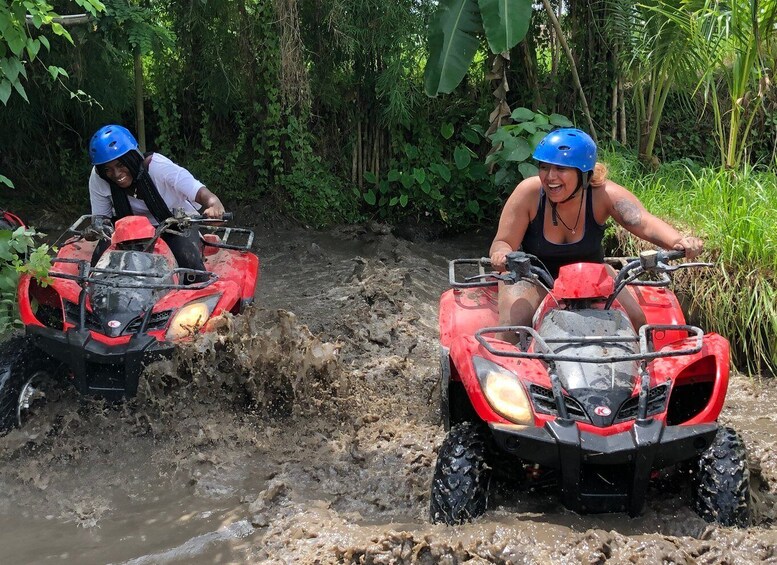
650, 261
520, 266
180, 220
226, 217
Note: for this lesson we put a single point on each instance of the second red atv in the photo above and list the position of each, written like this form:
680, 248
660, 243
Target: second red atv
96, 326
584, 401
9, 221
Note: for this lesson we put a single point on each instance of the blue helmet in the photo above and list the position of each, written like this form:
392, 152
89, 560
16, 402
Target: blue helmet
567, 147
110, 142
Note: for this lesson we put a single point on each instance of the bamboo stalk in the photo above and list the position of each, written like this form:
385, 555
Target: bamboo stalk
354, 161
614, 111
360, 160
622, 101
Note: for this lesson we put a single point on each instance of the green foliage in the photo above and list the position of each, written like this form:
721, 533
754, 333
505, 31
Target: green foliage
310, 192
218, 115
18, 46
453, 36
733, 212
438, 177
512, 145
127, 23
19, 254
442, 177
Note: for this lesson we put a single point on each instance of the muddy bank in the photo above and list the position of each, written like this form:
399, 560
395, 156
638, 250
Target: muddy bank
306, 432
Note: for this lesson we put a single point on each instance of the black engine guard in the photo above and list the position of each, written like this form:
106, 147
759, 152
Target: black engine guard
109, 371
604, 473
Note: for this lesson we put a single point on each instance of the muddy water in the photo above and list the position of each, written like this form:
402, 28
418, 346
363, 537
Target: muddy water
305, 432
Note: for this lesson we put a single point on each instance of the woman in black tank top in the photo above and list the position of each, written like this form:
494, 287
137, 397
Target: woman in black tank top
560, 215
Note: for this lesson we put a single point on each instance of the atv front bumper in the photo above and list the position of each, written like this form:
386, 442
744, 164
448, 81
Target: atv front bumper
110, 371
604, 473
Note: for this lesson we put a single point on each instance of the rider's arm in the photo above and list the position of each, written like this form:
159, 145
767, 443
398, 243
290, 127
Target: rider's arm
211, 205
514, 221
628, 211
100, 196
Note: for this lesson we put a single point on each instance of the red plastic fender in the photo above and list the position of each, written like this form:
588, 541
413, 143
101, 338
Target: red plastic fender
583, 280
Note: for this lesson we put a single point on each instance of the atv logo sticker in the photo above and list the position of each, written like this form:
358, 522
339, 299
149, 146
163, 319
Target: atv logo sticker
114, 324
602, 411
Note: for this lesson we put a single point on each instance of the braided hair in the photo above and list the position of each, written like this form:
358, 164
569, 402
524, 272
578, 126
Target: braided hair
143, 185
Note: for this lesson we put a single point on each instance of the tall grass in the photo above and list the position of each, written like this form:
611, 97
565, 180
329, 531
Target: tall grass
735, 212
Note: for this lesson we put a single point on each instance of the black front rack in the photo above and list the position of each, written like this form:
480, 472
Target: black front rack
549, 356
86, 277
545, 353
485, 278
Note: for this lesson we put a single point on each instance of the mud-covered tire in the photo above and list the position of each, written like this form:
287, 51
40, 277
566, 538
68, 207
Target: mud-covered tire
461, 476
20, 361
722, 481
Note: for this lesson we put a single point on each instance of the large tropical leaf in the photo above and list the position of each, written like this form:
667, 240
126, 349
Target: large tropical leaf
505, 22
452, 45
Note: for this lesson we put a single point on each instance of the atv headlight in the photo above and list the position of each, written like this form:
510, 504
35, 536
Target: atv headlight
189, 319
503, 391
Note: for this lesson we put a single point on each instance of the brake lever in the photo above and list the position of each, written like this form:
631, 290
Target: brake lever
485, 276
666, 267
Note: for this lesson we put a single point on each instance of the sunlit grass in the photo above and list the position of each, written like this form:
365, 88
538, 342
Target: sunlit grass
735, 212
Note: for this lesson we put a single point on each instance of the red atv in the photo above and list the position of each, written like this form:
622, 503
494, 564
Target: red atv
9, 221
98, 326
583, 400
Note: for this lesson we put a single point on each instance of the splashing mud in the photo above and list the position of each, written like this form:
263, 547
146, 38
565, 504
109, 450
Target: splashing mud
305, 431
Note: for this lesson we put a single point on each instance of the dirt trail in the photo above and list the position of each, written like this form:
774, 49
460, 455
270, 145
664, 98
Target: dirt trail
305, 432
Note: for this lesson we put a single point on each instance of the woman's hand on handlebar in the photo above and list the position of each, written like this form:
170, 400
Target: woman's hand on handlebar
499, 260
499, 255
215, 212
693, 246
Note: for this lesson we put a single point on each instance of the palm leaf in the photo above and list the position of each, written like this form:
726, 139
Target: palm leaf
452, 45
505, 22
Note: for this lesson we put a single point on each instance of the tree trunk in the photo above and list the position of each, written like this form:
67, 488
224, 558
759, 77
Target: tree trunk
498, 77
140, 119
572, 65
530, 63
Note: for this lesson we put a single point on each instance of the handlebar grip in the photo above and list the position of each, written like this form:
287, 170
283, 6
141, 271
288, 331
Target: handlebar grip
674, 254
226, 217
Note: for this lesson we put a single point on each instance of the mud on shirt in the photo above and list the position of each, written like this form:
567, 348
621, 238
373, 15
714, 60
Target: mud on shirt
177, 187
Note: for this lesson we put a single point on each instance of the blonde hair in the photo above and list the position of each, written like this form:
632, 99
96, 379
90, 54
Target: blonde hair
599, 175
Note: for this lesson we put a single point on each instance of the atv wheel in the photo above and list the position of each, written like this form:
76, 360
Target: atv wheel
461, 477
25, 374
723, 481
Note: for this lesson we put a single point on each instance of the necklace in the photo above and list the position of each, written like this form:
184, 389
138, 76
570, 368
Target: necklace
555, 216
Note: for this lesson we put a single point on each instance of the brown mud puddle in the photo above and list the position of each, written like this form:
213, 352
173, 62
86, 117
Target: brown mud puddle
305, 432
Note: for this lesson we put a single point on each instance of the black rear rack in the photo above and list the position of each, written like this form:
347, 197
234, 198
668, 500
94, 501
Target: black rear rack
225, 234
478, 280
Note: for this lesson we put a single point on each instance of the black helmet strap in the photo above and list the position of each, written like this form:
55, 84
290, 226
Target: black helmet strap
145, 189
584, 181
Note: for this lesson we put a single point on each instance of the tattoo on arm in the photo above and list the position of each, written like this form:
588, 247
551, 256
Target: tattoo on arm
629, 213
